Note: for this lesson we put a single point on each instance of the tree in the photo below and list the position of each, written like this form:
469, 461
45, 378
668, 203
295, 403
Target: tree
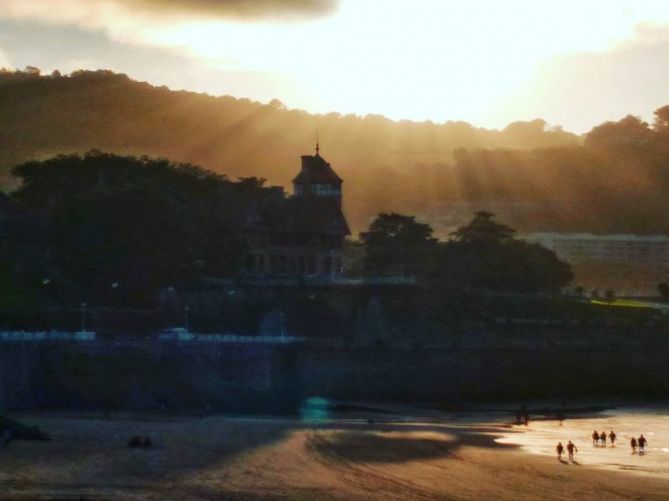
610, 296
277, 104
140, 222
396, 243
629, 132
251, 183
661, 122
482, 230
663, 289
484, 255
354, 258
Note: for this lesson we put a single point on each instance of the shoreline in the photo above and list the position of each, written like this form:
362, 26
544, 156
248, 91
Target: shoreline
628, 422
422, 455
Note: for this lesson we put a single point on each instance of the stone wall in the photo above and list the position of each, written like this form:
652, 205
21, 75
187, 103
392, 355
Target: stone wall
276, 377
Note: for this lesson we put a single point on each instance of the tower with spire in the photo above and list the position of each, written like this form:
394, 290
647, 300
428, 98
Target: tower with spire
302, 235
317, 179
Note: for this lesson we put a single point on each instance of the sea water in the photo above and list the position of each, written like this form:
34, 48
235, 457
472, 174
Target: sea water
542, 436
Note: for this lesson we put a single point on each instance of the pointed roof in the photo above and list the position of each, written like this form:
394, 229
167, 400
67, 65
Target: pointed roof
315, 170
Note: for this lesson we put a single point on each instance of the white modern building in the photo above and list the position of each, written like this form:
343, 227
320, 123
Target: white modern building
651, 250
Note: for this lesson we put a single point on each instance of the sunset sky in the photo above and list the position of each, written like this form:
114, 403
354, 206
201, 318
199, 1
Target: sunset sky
573, 63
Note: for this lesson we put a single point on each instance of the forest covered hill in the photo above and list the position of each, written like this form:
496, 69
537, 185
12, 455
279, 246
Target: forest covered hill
534, 177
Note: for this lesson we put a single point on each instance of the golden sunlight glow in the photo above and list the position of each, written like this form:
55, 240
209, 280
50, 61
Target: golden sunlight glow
419, 60
471, 60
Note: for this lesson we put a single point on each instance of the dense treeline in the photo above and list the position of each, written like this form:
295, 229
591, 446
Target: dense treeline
387, 165
115, 230
481, 255
120, 232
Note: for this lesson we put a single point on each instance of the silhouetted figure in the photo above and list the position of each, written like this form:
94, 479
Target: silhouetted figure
526, 418
633, 445
137, 441
642, 443
595, 438
560, 449
602, 437
521, 415
571, 448
612, 438
560, 417
5, 437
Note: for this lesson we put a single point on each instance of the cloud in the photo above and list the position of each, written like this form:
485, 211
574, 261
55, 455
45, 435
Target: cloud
150, 22
580, 90
238, 9
93, 12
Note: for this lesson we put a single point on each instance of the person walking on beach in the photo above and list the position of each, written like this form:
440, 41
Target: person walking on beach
602, 437
521, 414
633, 445
5, 437
612, 438
571, 448
595, 438
642, 444
560, 449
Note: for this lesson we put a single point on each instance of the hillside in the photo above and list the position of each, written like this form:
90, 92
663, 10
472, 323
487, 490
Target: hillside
385, 164
533, 177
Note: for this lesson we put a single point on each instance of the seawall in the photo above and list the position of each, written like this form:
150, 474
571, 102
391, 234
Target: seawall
276, 377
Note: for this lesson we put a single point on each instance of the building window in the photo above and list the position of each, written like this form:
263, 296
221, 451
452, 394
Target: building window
311, 265
327, 265
250, 262
327, 190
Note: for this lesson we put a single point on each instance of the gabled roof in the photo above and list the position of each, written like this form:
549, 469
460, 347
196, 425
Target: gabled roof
315, 170
305, 215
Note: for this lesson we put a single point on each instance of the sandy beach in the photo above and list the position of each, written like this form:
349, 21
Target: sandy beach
541, 436
427, 456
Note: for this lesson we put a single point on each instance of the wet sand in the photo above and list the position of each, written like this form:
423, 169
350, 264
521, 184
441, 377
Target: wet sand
542, 436
432, 456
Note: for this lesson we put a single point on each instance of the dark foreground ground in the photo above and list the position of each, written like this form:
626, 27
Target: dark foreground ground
432, 456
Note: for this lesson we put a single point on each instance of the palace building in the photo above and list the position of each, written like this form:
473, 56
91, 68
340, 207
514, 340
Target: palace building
300, 235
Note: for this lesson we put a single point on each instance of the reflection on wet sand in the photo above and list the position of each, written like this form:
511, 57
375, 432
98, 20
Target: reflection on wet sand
345, 456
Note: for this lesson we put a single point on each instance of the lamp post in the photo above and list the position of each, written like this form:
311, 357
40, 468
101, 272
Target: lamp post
83, 317
114, 294
282, 321
47, 295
